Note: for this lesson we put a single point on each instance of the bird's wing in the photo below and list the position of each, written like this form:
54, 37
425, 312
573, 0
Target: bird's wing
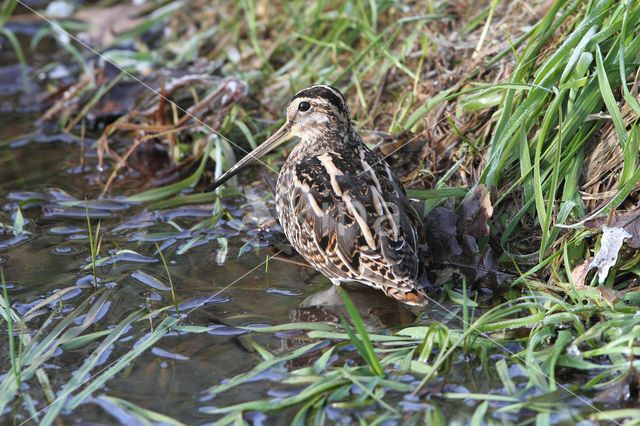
349, 206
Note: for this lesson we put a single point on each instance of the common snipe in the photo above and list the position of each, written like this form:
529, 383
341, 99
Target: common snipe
339, 203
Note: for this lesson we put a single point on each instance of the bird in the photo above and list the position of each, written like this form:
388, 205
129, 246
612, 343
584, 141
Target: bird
339, 203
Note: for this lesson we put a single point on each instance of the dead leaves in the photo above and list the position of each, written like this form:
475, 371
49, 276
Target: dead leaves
617, 227
475, 212
629, 220
161, 118
456, 244
624, 390
453, 242
104, 24
579, 273
610, 245
173, 106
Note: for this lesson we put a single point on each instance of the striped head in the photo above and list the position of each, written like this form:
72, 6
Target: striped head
317, 109
316, 113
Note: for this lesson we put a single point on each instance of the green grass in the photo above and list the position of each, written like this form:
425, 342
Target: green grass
6, 9
35, 350
361, 340
544, 134
570, 82
94, 245
15, 360
428, 351
173, 293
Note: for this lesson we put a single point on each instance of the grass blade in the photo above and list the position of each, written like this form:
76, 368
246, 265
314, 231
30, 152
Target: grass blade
364, 345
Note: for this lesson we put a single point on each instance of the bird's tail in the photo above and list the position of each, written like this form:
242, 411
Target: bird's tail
415, 297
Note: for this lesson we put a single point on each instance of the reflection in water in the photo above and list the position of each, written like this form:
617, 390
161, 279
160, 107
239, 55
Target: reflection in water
376, 310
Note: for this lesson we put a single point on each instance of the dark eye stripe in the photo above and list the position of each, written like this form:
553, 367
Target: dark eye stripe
324, 92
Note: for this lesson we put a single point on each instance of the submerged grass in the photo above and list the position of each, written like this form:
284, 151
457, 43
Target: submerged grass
93, 242
173, 293
546, 98
9, 320
69, 332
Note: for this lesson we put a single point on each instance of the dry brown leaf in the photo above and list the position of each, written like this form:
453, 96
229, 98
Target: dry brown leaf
475, 212
579, 273
610, 295
625, 219
105, 23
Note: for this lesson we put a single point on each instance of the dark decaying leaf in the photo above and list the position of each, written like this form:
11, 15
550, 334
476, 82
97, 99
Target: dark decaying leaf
629, 220
624, 390
475, 212
441, 232
453, 246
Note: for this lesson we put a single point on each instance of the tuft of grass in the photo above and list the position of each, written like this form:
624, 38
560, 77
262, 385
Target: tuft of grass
68, 401
38, 349
94, 245
7, 315
431, 351
541, 134
173, 294
6, 10
361, 341
67, 332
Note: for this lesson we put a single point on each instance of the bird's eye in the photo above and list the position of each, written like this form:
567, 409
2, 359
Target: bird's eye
304, 106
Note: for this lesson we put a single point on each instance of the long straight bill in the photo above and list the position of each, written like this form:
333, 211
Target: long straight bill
280, 136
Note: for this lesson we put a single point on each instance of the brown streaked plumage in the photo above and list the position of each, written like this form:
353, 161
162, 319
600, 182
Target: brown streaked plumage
339, 203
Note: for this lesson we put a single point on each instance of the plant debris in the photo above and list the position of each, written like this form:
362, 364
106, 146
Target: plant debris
610, 244
104, 24
624, 390
453, 242
629, 220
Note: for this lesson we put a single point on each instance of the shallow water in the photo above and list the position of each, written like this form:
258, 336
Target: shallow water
41, 172
221, 293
